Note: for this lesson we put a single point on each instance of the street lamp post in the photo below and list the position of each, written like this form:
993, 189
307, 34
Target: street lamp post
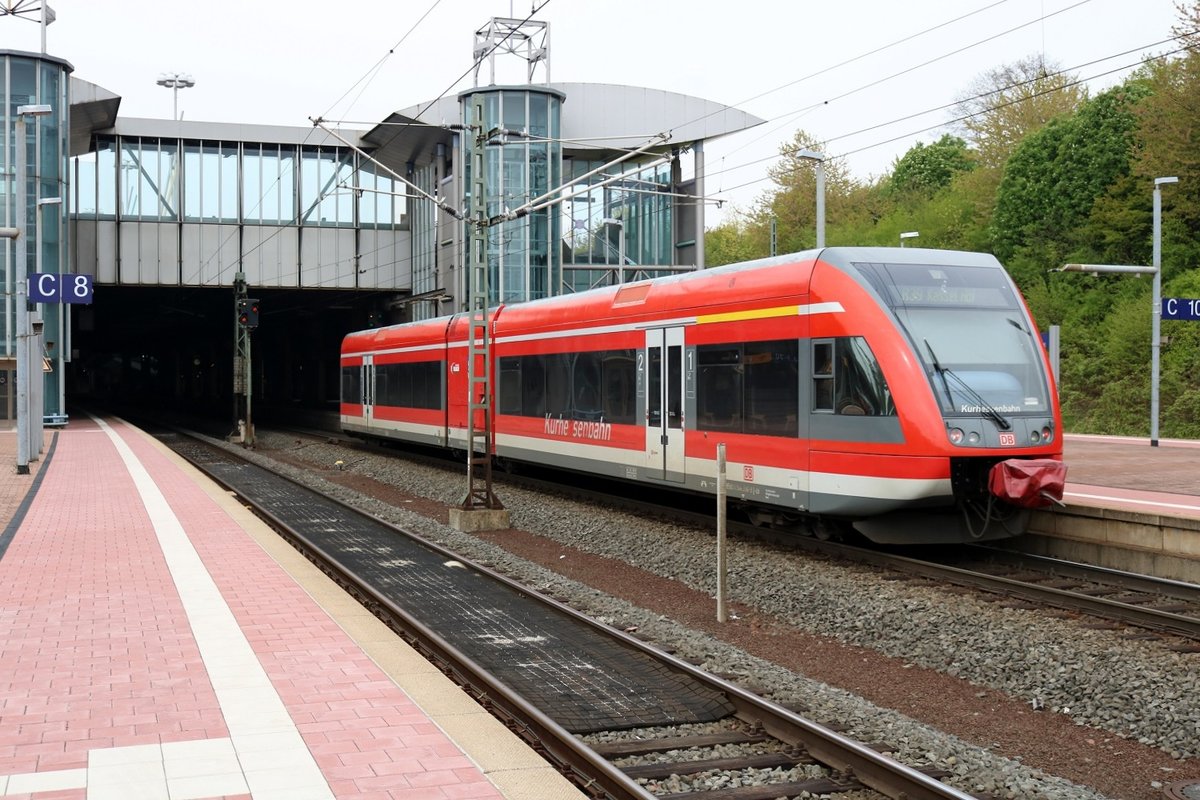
175, 81
819, 160
1156, 311
908, 235
21, 282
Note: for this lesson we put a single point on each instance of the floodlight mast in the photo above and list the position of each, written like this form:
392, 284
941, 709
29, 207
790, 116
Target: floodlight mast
175, 81
819, 160
1155, 303
1156, 310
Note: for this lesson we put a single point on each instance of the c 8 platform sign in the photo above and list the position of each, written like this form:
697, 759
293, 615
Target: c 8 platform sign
48, 287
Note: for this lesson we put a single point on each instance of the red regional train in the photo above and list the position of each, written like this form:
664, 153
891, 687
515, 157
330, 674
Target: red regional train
904, 391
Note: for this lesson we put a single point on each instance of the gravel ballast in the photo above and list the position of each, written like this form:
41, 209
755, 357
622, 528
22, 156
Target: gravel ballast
1125, 713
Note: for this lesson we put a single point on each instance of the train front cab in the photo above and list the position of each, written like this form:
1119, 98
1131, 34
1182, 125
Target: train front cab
973, 386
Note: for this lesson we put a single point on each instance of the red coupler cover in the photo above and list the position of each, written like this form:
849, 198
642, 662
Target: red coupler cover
1029, 483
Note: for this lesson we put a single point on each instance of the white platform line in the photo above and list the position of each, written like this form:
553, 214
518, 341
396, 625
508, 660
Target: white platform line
273, 757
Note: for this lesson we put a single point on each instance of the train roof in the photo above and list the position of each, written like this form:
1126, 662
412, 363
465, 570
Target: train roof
680, 295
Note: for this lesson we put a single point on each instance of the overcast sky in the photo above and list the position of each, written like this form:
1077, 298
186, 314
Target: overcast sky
280, 62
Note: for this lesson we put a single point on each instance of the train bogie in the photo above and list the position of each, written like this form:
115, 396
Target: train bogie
879, 387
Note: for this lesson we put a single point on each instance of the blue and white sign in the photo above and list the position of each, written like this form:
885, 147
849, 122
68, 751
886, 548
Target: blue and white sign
47, 287
1181, 308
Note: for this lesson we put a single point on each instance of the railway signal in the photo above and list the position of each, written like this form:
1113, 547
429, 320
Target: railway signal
247, 309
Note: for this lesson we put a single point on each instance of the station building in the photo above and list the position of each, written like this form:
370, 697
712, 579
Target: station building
536, 189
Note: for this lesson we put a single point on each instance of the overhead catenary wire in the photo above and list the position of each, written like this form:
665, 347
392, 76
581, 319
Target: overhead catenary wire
536, 8
401, 126
954, 121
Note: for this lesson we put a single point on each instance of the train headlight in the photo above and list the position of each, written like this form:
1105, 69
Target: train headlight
956, 435
973, 437
1035, 437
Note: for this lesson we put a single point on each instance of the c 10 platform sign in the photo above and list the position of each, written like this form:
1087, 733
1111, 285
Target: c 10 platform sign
47, 287
1181, 308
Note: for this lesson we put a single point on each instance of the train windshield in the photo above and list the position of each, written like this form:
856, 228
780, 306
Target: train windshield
970, 330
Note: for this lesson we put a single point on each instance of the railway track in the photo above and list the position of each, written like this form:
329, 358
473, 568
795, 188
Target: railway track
1122, 598
644, 725
1103, 596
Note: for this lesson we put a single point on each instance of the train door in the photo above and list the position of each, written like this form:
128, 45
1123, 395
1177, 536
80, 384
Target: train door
664, 404
367, 389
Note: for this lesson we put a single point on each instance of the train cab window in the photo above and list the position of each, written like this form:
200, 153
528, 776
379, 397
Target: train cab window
822, 375
847, 379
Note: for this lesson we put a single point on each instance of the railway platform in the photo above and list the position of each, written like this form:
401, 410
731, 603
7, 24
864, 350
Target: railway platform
1125, 473
1129, 506
158, 641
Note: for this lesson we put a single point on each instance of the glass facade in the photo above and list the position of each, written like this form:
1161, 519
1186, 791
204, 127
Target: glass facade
629, 218
521, 163
170, 180
28, 79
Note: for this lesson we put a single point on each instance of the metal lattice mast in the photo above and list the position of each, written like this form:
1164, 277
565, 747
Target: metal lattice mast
480, 438
525, 38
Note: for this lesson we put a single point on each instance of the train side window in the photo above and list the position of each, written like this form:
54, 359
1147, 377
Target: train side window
415, 384
533, 387
352, 385
593, 385
383, 385
620, 385
719, 388
586, 387
822, 375
558, 385
509, 398
431, 392
772, 387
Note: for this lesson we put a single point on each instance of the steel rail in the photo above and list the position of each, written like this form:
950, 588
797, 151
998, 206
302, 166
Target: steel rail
1139, 616
591, 771
1170, 622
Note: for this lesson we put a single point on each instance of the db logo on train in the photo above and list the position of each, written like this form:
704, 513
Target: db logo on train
1008, 439
748, 473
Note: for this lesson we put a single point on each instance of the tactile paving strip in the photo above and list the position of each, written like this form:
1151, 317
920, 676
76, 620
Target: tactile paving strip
579, 678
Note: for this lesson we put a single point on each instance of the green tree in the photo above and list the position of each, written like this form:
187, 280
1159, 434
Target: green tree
1006, 104
1054, 177
731, 242
925, 169
792, 200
